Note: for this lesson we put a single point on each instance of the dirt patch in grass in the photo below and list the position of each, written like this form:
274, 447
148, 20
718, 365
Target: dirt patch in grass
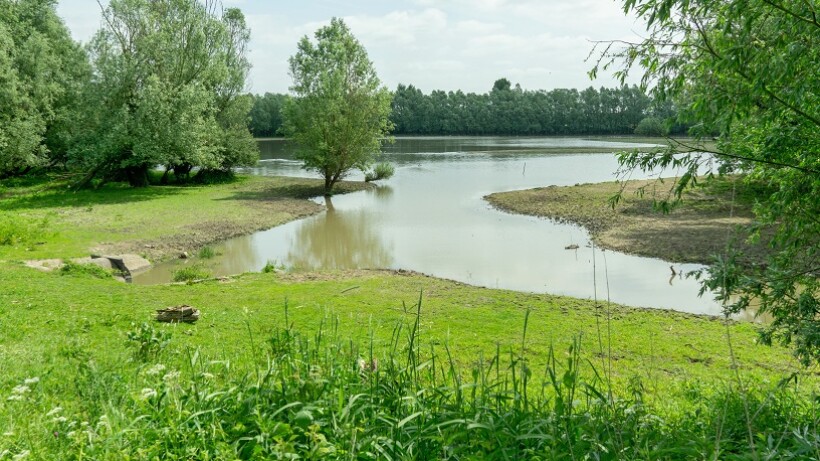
262, 206
701, 226
158, 223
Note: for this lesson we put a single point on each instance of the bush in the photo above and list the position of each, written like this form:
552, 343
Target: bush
88, 270
191, 273
272, 266
207, 252
651, 126
382, 170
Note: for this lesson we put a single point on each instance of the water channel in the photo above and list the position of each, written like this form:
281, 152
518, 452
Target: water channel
431, 218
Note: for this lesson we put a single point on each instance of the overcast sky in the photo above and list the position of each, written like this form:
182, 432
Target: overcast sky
444, 44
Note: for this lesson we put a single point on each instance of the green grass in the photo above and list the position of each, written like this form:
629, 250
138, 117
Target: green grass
191, 273
281, 365
374, 365
41, 219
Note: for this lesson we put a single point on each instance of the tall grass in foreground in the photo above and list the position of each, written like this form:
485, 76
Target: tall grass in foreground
322, 396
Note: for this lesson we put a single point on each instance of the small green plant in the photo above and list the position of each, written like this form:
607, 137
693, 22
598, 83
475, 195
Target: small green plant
207, 252
382, 170
84, 270
272, 266
146, 342
191, 273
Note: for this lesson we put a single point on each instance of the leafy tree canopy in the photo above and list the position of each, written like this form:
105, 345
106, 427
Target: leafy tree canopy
166, 90
340, 110
748, 70
40, 68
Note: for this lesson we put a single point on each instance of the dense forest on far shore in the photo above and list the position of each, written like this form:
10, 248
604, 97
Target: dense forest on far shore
505, 110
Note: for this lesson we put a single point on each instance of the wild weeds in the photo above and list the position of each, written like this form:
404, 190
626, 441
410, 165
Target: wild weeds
191, 273
323, 396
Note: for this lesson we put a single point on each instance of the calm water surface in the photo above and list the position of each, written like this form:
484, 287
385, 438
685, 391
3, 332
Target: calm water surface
431, 217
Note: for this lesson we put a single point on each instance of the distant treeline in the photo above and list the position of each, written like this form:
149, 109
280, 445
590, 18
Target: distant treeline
505, 110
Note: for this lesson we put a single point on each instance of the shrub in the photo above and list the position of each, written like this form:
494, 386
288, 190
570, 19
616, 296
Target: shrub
88, 270
382, 170
272, 266
651, 126
207, 252
191, 273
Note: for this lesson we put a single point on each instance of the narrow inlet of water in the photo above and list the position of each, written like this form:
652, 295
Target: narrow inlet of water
431, 218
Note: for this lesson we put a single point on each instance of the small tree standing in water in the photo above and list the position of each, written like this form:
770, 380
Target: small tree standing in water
340, 110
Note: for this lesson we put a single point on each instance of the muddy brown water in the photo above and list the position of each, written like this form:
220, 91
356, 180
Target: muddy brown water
431, 218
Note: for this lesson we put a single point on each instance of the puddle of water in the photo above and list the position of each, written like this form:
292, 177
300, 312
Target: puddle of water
431, 218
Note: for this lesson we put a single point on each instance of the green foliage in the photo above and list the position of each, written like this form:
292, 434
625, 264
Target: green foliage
747, 69
40, 68
84, 270
340, 110
651, 126
16, 229
322, 396
206, 252
512, 111
266, 114
272, 266
381, 170
191, 273
167, 91
146, 342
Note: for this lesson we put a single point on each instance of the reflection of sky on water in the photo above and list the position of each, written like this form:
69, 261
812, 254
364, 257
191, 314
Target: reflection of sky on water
431, 218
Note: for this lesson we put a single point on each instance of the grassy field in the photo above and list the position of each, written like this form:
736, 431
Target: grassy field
352, 365
88, 347
695, 230
43, 220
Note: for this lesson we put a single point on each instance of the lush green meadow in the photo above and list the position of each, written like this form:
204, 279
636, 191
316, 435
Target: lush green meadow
354, 365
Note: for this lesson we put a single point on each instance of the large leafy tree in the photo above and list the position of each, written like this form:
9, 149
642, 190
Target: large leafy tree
167, 90
748, 71
41, 69
339, 114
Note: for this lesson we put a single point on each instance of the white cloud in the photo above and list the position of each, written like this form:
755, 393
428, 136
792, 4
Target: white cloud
433, 44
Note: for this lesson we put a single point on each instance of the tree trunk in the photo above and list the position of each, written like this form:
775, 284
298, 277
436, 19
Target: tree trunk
137, 175
328, 185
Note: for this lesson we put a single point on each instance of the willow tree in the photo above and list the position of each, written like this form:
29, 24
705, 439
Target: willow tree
40, 70
339, 112
167, 89
748, 71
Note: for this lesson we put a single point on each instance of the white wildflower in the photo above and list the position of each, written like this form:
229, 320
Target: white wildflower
171, 376
33, 380
15, 397
21, 389
22, 455
156, 370
148, 393
7, 434
71, 434
54, 411
59, 419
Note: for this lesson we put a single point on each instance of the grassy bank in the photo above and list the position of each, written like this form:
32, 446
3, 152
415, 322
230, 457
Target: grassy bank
700, 227
351, 365
41, 219
273, 367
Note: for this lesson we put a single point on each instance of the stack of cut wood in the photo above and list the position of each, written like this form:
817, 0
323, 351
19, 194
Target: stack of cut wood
182, 313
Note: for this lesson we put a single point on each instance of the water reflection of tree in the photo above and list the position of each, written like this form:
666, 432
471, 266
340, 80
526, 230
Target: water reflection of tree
338, 240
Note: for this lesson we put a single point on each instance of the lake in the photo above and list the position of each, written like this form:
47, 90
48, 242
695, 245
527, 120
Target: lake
431, 218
